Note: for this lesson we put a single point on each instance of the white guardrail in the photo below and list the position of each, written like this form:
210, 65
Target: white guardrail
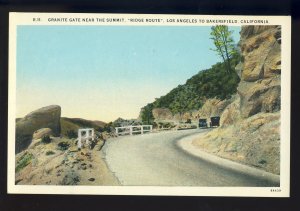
133, 129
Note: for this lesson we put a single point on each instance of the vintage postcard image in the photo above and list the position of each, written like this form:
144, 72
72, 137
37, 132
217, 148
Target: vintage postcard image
133, 104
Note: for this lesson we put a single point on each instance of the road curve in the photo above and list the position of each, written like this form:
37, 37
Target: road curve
156, 160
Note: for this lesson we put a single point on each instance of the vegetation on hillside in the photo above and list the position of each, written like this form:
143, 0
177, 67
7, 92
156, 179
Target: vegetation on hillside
24, 161
213, 82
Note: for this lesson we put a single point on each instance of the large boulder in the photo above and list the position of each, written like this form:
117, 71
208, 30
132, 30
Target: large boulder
46, 117
40, 133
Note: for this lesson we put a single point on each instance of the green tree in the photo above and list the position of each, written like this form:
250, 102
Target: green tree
147, 116
225, 46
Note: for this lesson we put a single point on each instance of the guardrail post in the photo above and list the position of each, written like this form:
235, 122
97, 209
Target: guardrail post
142, 129
130, 127
117, 131
87, 134
79, 140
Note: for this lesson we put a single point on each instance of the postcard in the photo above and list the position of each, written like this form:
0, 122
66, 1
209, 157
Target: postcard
143, 104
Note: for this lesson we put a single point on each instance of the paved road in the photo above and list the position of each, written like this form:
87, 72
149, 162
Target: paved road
156, 160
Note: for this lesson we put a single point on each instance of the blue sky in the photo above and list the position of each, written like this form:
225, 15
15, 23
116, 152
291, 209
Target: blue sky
106, 72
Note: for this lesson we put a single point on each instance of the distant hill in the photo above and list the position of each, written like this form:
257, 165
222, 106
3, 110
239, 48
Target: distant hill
68, 124
214, 82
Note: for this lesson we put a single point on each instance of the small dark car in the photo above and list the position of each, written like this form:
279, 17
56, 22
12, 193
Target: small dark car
215, 121
202, 123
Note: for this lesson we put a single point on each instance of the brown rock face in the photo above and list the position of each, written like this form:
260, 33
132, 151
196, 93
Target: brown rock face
46, 117
260, 48
212, 107
260, 96
249, 31
254, 141
260, 70
231, 114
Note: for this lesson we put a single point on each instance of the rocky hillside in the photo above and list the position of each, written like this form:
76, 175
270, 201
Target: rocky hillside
46, 155
184, 101
250, 124
211, 107
58, 162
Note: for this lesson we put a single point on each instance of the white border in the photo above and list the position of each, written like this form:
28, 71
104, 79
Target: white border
16, 19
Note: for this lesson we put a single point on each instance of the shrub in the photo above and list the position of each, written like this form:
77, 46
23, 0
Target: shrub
188, 121
107, 128
46, 139
63, 146
24, 161
160, 124
71, 134
167, 125
100, 129
50, 152
262, 161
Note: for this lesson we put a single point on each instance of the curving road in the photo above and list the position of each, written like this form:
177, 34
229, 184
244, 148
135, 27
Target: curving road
156, 160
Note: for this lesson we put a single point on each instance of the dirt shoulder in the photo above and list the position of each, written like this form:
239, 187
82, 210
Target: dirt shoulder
254, 141
49, 164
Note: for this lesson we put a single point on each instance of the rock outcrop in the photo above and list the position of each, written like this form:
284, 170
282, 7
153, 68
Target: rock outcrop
259, 96
250, 124
260, 69
160, 114
212, 107
231, 114
46, 117
40, 133
260, 73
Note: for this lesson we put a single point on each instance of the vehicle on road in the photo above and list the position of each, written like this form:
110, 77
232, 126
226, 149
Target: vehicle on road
202, 123
214, 121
